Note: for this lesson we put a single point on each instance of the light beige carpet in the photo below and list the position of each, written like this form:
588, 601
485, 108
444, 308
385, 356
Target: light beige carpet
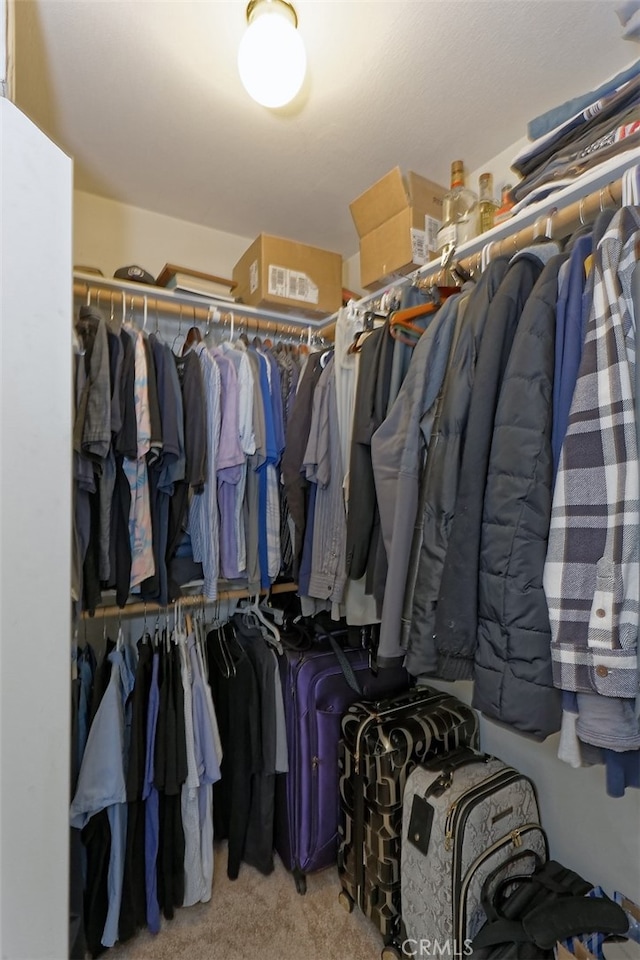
261, 918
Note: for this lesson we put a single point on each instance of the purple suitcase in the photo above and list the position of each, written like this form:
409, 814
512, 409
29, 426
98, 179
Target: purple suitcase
316, 694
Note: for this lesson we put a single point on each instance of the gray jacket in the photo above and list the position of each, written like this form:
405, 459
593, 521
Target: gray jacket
398, 452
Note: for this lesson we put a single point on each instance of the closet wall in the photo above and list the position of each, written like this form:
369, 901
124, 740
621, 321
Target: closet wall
108, 235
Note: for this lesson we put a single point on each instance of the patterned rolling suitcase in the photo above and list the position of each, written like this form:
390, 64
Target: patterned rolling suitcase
316, 693
464, 819
381, 744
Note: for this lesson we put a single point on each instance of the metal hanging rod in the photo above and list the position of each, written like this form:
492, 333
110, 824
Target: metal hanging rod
139, 608
103, 290
556, 225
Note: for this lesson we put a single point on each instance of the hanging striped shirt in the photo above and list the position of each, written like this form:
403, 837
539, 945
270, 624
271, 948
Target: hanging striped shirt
591, 572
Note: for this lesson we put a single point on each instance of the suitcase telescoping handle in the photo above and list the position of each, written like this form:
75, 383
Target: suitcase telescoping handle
463, 757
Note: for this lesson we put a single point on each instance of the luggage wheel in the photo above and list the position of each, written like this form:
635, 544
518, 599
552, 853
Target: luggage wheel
391, 952
300, 881
345, 901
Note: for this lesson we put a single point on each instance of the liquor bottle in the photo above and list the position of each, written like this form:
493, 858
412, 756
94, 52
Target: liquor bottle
460, 220
504, 210
488, 205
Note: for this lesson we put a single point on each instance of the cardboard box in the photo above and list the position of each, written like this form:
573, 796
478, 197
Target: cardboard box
292, 277
397, 220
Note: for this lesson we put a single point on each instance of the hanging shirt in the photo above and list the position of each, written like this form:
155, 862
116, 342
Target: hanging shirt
323, 466
238, 710
275, 389
86, 673
92, 429
274, 547
133, 910
208, 756
569, 338
591, 573
172, 464
171, 771
150, 796
245, 396
282, 750
189, 792
140, 532
203, 512
254, 466
101, 782
231, 461
295, 484
269, 513
245, 386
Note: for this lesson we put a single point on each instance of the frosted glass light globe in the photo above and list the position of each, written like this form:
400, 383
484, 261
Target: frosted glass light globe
272, 59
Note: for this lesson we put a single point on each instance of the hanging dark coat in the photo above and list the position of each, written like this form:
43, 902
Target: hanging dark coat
513, 677
456, 623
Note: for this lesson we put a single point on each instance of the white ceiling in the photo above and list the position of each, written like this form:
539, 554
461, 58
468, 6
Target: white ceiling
144, 94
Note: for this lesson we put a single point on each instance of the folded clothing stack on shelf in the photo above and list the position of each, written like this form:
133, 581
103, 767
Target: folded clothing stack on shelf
578, 136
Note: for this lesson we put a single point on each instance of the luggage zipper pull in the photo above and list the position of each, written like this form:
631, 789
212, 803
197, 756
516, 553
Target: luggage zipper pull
516, 839
314, 763
439, 786
448, 824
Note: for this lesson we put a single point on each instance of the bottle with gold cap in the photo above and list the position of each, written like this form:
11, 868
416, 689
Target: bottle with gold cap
488, 205
460, 212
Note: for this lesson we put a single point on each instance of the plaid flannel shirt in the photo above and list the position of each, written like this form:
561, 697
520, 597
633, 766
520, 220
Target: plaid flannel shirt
591, 572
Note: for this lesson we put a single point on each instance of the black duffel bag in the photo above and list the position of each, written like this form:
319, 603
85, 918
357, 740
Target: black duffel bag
527, 915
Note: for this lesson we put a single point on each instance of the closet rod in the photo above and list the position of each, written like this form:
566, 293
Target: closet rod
196, 600
557, 223
189, 311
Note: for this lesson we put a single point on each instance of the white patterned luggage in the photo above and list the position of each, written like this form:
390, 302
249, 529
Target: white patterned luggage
462, 816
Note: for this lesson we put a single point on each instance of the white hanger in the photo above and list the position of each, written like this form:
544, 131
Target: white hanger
176, 338
548, 230
253, 607
630, 192
120, 637
352, 310
486, 256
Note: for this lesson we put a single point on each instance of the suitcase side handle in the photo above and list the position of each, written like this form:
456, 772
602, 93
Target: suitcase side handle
345, 666
463, 757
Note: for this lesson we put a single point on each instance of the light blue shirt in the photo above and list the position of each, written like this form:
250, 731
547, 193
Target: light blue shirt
207, 761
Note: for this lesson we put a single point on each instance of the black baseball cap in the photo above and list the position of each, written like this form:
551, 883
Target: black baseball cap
134, 273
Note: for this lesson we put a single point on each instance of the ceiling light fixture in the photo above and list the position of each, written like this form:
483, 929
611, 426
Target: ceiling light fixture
271, 57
